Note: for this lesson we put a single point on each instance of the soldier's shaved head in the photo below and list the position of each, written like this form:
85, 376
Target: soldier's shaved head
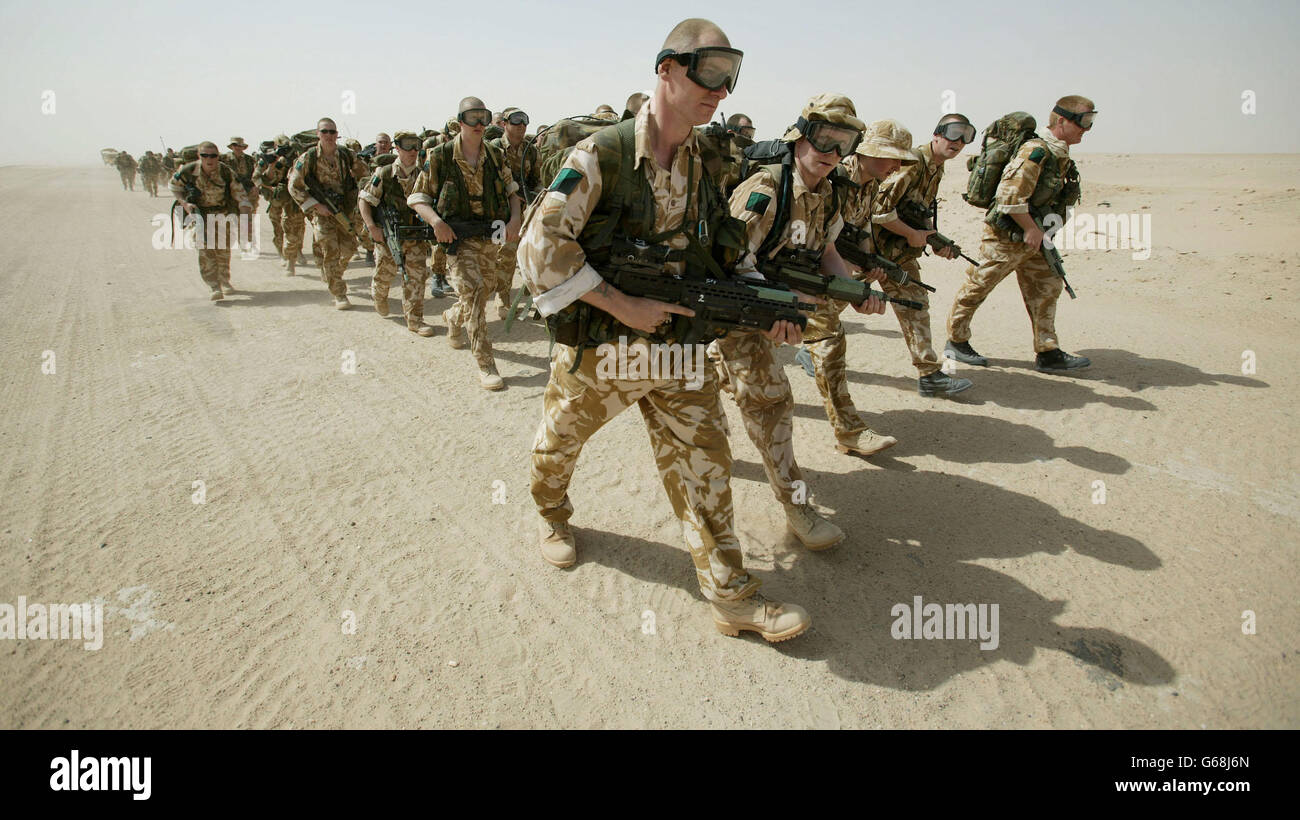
203, 145
468, 104
692, 33
323, 121
635, 102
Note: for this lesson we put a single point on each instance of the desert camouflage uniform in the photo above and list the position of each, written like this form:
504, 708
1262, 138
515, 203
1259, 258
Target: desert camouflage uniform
530, 179
287, 220
244, 166
150, 173
394, 182
214, 262
126, 166
336, 243
755, 377
686, 426
1000, 256
919, 183
828, 346
472, 269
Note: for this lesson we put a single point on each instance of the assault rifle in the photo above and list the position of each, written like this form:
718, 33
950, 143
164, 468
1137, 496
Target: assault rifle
720, 305
801, 269
848, 243
1050, 253
333, 202
915, 217
388, 223
464, 230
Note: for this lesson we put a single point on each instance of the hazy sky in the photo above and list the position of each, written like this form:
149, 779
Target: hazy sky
1167, 76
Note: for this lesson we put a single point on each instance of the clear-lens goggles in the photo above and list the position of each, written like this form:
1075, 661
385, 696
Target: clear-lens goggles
710, 67
1082, 119
828, 137
956, 132
517, 118
475, 116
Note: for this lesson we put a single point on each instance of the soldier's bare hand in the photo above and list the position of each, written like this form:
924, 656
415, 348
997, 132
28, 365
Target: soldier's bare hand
917, 239
443, 232
873, 305
188, 207
949, 252
649, 315
876, 275
376, 232
1034, 238
512, 230
321, 211
784, 332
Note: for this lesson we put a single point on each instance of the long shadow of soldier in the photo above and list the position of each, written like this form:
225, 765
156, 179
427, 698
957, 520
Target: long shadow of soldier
1137, 373
971, 439
853, 589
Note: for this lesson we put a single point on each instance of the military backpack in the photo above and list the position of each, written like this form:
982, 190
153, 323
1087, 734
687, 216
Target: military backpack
1002, 140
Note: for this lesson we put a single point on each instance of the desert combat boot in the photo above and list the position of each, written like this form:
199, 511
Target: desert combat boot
774, 621
559, 547
815, 532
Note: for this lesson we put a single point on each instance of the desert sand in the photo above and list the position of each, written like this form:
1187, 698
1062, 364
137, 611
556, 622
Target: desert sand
375, 493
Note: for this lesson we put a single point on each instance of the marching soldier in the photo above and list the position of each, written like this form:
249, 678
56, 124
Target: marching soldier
524, 161
363, 239
827, 130
327, 171
696, 69
150, 170
916, 187
468, 182
388, 190
885, 146
209, 189
126, 166
287, 220
1041, 180
243, 164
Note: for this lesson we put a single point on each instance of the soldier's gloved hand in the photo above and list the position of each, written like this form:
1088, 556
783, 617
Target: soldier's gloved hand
648, 315
376, 232
784, 332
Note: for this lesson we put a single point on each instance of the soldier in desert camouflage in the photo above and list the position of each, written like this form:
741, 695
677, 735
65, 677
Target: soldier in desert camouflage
220, 196
695, 70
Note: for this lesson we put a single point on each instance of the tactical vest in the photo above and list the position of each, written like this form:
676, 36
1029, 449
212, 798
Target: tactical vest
1056, 190
393, 195
345, 160
188, 173
889, 244
782, 176
453, 199
627, 209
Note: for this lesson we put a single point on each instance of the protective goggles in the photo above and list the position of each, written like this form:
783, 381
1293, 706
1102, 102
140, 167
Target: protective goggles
827, 136
1082, 119
956, 132
517, 118
710, 67
408, 143
475, 116
746, 131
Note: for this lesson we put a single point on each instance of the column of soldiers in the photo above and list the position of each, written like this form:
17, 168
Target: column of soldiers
654, 179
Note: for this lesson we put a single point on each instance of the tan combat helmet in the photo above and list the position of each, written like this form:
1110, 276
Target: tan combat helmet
887, 139
835, 108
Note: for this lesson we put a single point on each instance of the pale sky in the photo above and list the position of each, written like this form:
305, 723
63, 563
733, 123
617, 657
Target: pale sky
1167, 77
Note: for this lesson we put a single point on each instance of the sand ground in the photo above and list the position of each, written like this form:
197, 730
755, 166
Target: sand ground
374, 493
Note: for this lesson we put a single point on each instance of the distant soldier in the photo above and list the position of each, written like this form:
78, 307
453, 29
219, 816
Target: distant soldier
633, 105
605, 112
363, 238
287, 221
1040, 181
209, 189
150, 171
243, 164
524, 164
324, 184
468, 181
914, 190
169, 162
126, 166
386, 194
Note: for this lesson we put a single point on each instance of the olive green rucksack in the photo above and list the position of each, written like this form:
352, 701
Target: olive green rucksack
556, 142
1002, 140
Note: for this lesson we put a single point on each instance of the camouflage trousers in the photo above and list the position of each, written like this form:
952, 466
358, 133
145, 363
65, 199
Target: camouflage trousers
828, 347
1039, 287
128, 180
762, 392
506, 271
689, 442
417, 273
214, 266
336, 245
472, 272
915, 324
295, 224
275, 211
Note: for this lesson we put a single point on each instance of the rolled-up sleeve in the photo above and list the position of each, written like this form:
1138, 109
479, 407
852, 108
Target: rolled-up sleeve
1019, 179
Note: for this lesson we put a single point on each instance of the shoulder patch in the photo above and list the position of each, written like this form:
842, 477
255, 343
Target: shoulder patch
1037, 155
298, 165
758, 203
375, 181
566, 181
